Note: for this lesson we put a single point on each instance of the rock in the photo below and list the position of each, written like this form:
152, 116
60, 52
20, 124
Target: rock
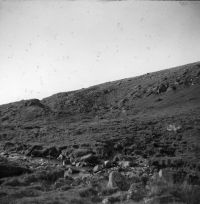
107, 164
125, 164
116, 158
97, 168
173, 127
106, 201
33, 102
39, 151
33, 148
64, 159
162, 88
4, 154
8, 168
89, 158
117, 180
51, 151
70, 171
81, 152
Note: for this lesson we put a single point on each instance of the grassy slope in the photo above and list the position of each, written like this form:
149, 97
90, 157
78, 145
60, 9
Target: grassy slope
135, 110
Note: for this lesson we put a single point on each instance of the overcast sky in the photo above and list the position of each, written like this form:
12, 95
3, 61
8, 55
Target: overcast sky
55, 46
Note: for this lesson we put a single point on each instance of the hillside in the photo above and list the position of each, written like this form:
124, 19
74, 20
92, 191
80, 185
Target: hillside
155, 117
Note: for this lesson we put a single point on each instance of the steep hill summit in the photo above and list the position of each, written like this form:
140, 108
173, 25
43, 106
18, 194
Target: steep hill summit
154, 118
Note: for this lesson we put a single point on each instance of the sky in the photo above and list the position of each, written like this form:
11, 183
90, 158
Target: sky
49, 46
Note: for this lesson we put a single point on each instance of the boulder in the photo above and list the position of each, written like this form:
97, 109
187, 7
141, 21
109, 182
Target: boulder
33, 102
117, 180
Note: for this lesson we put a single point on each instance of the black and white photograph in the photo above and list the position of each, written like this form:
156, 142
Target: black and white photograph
99, 102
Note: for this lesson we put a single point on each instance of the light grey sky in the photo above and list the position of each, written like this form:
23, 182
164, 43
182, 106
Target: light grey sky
55, 46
